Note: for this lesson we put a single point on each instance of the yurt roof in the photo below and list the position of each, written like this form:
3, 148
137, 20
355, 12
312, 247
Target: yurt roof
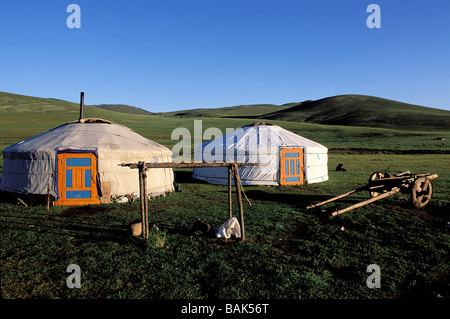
87, 134
260, 135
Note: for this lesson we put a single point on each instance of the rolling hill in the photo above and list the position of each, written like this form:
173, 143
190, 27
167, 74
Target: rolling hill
342, 110
122, 108
345, 110
25, 116
15, 103
29, 109
239, 111
367, 111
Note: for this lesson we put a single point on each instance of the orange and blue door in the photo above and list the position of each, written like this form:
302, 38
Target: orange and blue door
292, 168
77, 179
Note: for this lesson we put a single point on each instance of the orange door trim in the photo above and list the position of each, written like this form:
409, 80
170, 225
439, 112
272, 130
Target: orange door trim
77, 182
292, 167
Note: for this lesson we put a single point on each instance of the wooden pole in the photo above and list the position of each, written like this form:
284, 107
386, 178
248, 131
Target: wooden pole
432, 176
141, 204
22, 202
185, 165
48, 197
405, 178
230, 202
393, 191
237, 183
362, 188
145, 200
143, 197
337, 197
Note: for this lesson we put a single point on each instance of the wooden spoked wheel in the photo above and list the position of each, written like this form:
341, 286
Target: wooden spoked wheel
372, 181
421, 191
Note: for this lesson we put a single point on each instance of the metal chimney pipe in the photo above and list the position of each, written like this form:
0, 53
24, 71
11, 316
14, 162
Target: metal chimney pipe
81, 120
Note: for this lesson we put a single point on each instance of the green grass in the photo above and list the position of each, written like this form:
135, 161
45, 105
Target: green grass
290, 252
159, 129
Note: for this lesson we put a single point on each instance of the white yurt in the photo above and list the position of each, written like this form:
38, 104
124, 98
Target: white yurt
79, 162
285, 158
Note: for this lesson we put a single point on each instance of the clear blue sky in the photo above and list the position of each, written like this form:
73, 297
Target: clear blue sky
179, 54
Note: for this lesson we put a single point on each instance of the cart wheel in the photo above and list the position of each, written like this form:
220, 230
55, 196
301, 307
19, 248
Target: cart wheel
374, 177
421, 192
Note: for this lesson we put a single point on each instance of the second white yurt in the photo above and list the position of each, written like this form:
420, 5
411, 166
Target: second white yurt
285, 158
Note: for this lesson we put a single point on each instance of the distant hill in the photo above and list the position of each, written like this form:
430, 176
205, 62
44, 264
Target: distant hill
16, 108
122, 108
363, 110
17, 103
346, 110
239, 111
25, 116
23, 103
13, 106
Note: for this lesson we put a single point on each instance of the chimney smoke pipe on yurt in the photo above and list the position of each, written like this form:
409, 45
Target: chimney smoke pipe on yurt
81, 120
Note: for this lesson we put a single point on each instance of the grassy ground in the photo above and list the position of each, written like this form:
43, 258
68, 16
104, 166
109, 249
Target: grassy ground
290, 252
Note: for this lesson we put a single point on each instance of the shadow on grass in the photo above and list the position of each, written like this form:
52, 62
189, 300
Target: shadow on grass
83, 223
185, 177
295, 200
196, 230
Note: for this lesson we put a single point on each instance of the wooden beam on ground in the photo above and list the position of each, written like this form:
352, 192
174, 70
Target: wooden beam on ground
338, 197
366, 202
22, 202
376, 185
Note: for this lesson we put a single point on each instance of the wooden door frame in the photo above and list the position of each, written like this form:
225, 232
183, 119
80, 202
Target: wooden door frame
299, 171
61, 179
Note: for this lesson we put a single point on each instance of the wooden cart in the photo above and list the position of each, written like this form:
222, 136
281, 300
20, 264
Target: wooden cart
382, 185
